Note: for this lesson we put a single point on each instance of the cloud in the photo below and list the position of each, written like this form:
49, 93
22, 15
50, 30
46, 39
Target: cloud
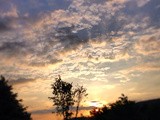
21, 81
64, 34
8, 19
12, 12
85, 20
4, 25
55, 31
139, 69
141, 3
41, 111
148, 44
153, 14
7, 23
45, 111
69, 39
12, 48
121, 77
71, 34
45, 62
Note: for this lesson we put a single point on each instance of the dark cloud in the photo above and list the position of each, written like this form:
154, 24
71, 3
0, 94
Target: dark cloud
45, 62
150, 10
99, 1
41, 111
5, 4
45, 111
54, 61
36, 7
21, 81
13, 48
85, 108
69, 38
7, 15
6, 23
3, 26
131, 13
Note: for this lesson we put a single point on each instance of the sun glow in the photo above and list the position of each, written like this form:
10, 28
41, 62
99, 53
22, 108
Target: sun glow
96, 109
96, 104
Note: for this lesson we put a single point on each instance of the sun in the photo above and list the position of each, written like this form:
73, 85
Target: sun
96, 109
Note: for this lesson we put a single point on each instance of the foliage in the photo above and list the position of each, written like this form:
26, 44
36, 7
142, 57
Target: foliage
124, 109
10, 107
62, 97
80, 93
121, 109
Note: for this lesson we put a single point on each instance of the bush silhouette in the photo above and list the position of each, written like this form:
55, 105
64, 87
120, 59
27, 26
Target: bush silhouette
124, 109
10, 107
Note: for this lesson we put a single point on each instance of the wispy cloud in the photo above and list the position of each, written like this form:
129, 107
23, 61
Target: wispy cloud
8, 19
21, 81
148, 44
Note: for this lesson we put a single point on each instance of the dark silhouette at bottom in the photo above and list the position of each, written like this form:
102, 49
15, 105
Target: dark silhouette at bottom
10, 107
124, 109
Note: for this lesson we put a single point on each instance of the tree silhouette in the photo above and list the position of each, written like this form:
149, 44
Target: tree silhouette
62, 97
122, 109
10, 107
80, 93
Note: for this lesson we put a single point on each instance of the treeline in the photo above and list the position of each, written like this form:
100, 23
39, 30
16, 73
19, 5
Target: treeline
124, 109
11, 108
65, 96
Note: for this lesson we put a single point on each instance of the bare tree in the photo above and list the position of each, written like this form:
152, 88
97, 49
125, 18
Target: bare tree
80, 93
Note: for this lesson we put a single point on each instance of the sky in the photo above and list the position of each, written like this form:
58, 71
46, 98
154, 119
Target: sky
108, 46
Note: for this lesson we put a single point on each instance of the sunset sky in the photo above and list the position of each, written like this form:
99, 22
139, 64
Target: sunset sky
108, 46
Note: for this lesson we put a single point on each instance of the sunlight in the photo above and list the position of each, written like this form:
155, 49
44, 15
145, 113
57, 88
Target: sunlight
96, 109
96, 104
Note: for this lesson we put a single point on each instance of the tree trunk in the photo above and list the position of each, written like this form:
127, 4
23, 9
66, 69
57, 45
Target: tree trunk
77, 108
